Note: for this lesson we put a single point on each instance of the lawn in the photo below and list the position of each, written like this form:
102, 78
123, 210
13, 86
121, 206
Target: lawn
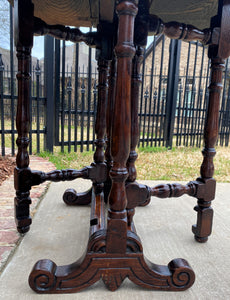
176, 164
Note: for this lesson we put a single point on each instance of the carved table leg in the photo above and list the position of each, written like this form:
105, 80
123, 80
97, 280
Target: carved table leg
71, 197
100, 126
24, 42
121, 129
115, 253
203, 227
135, 87
109, 121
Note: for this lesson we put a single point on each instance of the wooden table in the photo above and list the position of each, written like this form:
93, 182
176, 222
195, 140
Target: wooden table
114, 249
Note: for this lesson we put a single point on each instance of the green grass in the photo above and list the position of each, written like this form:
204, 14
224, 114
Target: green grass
160, 163
153, 163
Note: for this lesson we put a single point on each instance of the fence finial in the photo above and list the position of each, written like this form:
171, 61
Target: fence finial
69, 85
1, 63
37, 68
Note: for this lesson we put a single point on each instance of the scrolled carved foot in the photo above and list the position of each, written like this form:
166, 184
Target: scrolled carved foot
42, 278
182, 274
71, 197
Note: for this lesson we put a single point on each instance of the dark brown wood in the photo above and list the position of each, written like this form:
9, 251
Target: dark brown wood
114, 250
23, 41
224, 42
203, 228
109, 122
135, 87
121, 129
46, 277
66, 33
176, 30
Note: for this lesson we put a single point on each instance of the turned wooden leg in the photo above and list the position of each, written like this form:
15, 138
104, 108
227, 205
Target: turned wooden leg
100, 126
114, 252
135, 87
121, 129
204, 210
71, 197
109, 121
24, 42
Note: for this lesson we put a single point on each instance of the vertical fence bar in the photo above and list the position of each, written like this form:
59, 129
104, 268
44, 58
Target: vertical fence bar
191, 105
2, 106
222, 114
199, 99
159, 90
151, 116
154, 115
94, 108
57, 91
178, 112
12, 81
69, 92
49, 92
205, 105
172, 90
186, 90
82, 111
89, 93
227, 128
146, 96
142, 96
76, 95
63, 98
30, 108
38, 73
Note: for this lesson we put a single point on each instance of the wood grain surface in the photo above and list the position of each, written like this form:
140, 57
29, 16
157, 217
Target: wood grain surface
195, 12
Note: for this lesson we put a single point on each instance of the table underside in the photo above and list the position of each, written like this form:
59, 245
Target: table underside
88, 13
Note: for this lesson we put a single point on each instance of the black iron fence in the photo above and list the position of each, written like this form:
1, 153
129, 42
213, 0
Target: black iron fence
63, 97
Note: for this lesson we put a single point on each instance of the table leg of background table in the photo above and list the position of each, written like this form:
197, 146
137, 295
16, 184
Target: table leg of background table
203, 227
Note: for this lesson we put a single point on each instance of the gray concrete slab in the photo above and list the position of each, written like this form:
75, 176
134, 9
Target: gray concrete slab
60, 233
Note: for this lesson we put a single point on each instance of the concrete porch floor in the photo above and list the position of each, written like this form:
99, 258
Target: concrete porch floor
60, 233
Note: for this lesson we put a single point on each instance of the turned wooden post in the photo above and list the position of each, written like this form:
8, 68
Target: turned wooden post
121, 129
135, 88
109, 121
24, 41
204, 210
100, 126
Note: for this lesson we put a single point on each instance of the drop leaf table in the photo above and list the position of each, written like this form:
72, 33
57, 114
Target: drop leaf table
114, 250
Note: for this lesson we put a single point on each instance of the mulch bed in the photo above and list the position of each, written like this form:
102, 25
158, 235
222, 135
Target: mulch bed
7, 165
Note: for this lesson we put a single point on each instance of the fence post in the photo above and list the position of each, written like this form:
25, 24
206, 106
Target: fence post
2, 105
57, 91
49, 92
172, 87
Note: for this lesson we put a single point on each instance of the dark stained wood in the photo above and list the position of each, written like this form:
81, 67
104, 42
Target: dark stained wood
65, 33
46, 277
109, 122
23, 41
121, 129
224, 42
176, 30
114, 250
203, 228
135, 87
